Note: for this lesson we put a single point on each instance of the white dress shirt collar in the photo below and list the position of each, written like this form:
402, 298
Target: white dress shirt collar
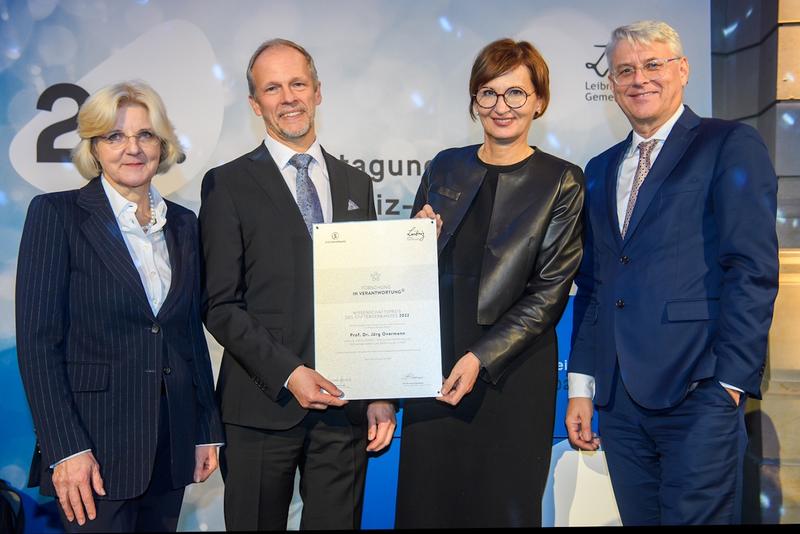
120, 205
282, 154
661, 134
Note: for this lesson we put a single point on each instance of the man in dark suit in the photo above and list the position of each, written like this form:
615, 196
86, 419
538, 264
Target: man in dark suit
256, 217
675, 294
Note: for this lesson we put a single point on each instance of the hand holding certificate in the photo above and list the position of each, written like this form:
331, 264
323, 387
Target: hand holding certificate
376, 308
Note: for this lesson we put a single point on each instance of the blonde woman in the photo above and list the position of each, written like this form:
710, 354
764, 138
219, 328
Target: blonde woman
111, 347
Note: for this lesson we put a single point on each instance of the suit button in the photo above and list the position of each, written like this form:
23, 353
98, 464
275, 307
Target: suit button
620, 303
167, 370
624, 260
155, 329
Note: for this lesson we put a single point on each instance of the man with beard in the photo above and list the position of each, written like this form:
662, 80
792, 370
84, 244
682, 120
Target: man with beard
256, 218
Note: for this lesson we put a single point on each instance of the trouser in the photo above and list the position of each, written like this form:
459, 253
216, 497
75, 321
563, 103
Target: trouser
259, 467
677, 466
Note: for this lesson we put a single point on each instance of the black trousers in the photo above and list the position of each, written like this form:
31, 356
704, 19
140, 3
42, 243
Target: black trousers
259, 467
156, 510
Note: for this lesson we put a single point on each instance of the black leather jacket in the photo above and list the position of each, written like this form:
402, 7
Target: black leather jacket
533, 248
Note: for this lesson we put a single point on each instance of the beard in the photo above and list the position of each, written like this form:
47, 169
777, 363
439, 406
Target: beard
296, 131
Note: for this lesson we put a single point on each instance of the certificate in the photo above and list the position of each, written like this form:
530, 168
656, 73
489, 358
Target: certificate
376, 308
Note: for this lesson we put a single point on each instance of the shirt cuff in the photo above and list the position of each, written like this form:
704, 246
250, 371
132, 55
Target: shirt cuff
209, 445
723, 384
580, 385
68, 457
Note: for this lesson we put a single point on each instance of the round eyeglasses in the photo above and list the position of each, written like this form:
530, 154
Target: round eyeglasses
652, 70
118, 139
514, 97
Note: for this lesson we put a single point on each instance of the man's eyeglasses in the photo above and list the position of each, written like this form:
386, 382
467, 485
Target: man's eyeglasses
514, 97
652, 70
118, 139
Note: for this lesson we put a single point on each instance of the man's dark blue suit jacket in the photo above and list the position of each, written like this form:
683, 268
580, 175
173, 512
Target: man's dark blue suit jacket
688, 294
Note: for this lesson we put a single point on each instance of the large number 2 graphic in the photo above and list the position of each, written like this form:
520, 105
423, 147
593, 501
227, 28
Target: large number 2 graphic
46, 152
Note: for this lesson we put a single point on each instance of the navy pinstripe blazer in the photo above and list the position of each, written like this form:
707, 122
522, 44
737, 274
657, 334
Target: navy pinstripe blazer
93, 356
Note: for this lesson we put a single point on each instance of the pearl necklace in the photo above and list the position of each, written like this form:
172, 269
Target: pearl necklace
149, 225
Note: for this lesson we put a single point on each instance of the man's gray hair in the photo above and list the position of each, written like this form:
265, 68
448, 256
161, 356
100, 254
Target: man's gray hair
251, 84
645, 32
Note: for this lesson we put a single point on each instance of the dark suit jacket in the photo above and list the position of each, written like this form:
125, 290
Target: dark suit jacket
258, 300
688, 294
533, 248
92, 355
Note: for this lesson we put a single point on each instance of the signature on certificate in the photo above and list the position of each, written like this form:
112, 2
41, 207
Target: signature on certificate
415, 234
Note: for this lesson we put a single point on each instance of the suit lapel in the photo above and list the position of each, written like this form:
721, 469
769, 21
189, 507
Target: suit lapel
678, 140
178, 246
102, 232
340, 190
612, 172
460, 182
511, 186
265, 172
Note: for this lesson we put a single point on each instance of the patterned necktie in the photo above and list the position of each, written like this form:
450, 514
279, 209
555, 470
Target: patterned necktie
307, 197
645, 149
